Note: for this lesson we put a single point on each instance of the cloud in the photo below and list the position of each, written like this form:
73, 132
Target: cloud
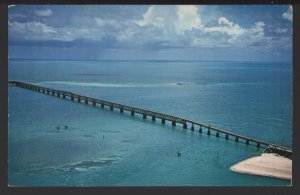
225, 26
288, 15
159, 27
31, 30
188, 18
46, 12
171, 18
11, 6
281, 30
157, 16
37, 31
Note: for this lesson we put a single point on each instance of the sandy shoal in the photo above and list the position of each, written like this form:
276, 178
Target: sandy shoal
267, 164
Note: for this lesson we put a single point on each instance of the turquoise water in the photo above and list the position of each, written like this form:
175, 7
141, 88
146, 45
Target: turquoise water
104, 148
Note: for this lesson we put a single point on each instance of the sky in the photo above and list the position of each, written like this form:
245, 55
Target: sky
151, 32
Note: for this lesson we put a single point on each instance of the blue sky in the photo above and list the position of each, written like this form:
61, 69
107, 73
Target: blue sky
151, 32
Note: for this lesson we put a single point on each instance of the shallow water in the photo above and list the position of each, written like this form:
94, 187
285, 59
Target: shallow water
104, 148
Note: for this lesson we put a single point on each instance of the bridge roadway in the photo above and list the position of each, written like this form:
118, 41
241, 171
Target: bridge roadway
145, 113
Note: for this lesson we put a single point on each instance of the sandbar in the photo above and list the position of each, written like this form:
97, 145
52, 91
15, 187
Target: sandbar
267, 164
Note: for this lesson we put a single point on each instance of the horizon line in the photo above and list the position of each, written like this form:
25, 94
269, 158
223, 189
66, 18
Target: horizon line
36, 59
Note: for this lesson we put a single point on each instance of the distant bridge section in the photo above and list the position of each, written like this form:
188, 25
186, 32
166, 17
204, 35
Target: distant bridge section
202, 128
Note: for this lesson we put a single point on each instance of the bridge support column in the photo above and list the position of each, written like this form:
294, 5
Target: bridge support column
58, 95
48, 92
94, 103
173, 123
217, 134
121, 110
247, 142
184, 125
64, 96
102, 105
236, 139
200, 129
132, 113
144, 116
226, 136
258, 144
86, 102
163, 120
72, 98
192, 127
111, 108
52, 92
78, 99
153, 118
208, 131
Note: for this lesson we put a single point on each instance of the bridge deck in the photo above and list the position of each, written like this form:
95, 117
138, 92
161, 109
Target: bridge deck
144, 112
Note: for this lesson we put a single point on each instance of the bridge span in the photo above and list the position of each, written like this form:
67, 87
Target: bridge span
202, 128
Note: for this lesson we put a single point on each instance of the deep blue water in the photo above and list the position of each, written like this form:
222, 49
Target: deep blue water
104, 148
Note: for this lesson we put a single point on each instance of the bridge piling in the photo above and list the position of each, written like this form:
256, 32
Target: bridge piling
217, 134
208, 130
94, 103
111, 108
200, 129
132, 113
226, 136
86, 102
247, 142
184, 125
173, 123
144, 116
121, 110
153, 118
78, 99
257, 144
102, 105
236, 139
192, 127
163, 121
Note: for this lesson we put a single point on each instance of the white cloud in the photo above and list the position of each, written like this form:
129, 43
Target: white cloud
226, 26
31, 30
171, 18
188, 18
46, 12
10, 6
257, 32
281, 30
158, 16
100, 22
37, 31
288, 15
159, 27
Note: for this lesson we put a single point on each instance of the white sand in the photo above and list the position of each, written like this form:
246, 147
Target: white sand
267, 164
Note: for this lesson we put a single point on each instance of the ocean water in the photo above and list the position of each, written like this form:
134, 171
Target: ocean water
105, 148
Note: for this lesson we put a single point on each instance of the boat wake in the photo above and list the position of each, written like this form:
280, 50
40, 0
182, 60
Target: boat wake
119, 85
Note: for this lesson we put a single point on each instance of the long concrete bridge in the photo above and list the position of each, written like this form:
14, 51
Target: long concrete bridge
202, 128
